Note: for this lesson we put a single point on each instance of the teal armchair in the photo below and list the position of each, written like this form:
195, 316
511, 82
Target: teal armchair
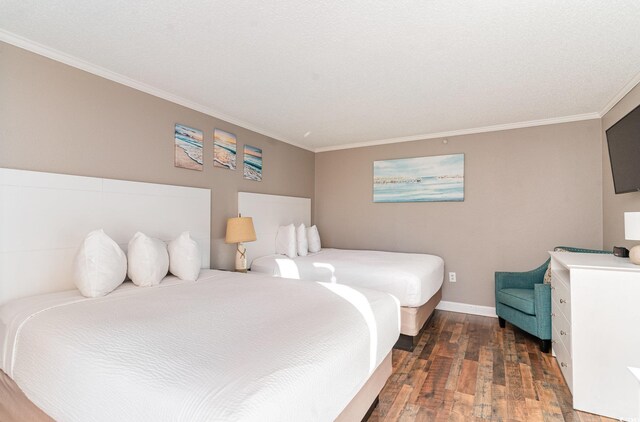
524, 300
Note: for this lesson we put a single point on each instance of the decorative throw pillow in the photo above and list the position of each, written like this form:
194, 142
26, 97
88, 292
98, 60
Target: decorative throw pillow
148, 260
99, 265
286, 241
185, 259
313, 238
547, 274
301, 240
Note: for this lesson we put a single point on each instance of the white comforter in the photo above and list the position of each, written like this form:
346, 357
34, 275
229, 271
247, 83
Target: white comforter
226, 347
412, 278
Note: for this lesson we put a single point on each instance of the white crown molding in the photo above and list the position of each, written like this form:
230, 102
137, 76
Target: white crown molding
67, 59
494, 128
620, 95
467, 308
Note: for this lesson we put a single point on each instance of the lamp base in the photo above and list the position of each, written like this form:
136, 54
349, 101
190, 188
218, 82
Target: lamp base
241, 259
634, 255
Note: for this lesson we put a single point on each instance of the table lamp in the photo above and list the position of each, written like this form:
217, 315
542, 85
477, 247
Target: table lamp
632, 232
240, 229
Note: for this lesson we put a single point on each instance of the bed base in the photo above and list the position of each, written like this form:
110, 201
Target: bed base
408, 343
414, 320
363, 404
371, 409
16, 407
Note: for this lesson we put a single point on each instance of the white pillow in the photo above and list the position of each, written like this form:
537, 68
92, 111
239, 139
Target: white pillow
148, 260
184, 257
301, 240
286, 241
99, 265
313, 237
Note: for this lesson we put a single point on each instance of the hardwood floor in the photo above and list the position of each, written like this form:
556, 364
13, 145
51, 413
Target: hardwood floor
465, 367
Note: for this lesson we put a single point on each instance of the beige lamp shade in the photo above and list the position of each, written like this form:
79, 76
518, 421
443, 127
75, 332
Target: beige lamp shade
240, 229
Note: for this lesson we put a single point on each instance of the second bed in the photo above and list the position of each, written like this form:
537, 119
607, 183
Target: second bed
414, 279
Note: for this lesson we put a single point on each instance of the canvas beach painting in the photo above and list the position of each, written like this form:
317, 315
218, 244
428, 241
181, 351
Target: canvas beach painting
224, 149
188, 147
252, 163
420, 179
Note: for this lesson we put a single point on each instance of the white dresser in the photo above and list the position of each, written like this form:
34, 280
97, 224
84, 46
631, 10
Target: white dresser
596, 330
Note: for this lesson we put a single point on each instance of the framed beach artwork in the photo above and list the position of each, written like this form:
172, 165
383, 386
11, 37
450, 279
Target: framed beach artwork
421, 179
188, 147
252, 163
224, 149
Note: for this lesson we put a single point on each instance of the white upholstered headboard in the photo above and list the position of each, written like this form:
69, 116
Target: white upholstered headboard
45, 216
270, 212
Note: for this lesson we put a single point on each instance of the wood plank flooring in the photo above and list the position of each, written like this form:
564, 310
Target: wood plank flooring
465, 368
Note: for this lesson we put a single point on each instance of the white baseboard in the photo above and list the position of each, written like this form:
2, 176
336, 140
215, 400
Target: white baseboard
466, 308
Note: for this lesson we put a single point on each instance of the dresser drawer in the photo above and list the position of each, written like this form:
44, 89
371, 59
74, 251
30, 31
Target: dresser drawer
564, 361
561, 330
561, 274
561, 295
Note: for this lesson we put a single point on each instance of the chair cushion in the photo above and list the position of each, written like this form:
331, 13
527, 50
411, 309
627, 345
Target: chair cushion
520, 299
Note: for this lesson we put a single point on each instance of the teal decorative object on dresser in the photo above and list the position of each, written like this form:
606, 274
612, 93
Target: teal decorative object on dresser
524, 299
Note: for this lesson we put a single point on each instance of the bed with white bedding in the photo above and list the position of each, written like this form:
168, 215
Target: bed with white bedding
412, 278
226, 347
415, 279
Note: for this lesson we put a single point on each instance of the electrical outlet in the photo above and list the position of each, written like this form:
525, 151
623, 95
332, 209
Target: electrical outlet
452, 277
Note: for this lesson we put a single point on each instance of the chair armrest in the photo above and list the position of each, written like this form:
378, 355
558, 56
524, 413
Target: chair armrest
542, 298
520, 280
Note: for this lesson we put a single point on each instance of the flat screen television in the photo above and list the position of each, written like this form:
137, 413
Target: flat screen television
623, 139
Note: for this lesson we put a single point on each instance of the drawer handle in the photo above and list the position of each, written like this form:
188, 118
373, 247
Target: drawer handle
564, 365
553, 287
553, 314
563, 301
563, 333
553, 342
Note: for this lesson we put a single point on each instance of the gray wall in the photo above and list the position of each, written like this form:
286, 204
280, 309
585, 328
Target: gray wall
526, 191
56, 118
614, 206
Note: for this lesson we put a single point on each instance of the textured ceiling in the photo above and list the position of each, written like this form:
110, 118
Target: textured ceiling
355, 71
